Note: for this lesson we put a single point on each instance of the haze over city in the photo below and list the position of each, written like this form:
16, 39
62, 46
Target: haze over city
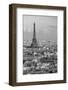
46, 27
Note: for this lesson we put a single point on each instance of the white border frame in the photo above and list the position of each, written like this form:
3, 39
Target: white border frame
19, 55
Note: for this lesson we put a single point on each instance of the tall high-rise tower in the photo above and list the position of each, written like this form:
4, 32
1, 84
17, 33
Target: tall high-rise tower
34, 40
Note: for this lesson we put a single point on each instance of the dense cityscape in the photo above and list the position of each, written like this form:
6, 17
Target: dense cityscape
39, 57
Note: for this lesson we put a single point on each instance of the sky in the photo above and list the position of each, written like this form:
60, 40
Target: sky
45, 27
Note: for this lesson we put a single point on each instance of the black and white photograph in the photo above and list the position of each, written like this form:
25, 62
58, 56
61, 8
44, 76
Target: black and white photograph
39, 44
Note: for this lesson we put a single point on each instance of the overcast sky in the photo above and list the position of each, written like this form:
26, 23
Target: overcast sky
45, 26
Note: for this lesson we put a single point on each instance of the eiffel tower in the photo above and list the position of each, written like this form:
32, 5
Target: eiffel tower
34, 43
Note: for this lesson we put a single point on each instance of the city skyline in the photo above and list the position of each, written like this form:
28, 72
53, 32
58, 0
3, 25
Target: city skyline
46, 27
39, 58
